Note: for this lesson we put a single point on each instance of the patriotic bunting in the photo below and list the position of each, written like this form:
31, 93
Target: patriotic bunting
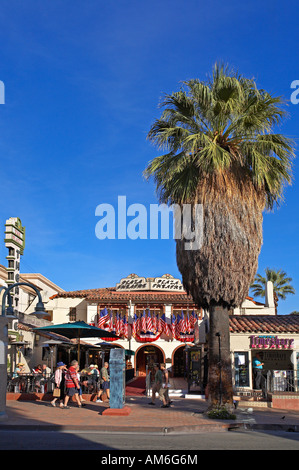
149, 327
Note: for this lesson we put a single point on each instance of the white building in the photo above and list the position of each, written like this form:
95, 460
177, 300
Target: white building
161, 296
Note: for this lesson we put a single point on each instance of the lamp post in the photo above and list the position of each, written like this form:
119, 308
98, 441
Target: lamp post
6, 315
220, 368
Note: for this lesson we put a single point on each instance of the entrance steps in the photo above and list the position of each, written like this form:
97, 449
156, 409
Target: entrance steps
179, 388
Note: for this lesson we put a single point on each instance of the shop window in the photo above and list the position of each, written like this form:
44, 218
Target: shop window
73, 314
241, 362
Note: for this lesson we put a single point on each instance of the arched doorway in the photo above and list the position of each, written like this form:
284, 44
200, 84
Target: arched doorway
178, 362
147, 356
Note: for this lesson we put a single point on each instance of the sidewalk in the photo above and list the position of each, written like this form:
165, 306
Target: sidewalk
184, 416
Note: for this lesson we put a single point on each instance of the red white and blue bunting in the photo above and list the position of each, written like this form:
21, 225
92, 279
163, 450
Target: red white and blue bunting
148, 327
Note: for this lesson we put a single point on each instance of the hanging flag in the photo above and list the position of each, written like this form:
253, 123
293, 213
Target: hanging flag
143, 322
136, 325
193, 319
149, 322
162, 324
173, 325
155, 322
188, 324
103, 317
111, 326
182, 323
177, 326
117, 324
125, 327
122, 324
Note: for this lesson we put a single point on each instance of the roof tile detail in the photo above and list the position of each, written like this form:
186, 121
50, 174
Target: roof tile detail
264, 324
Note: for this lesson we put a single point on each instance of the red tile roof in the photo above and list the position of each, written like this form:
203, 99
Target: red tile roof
110, 294
264, 324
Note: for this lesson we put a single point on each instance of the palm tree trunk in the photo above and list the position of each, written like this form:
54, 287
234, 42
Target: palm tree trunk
220, 373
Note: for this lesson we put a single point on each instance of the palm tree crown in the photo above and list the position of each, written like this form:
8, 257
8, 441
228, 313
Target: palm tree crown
225, 126
281, 283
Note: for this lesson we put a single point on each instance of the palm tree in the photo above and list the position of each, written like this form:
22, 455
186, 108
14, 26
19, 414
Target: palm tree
220, 151
281, 285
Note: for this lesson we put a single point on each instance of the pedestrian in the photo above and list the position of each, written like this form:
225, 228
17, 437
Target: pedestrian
163, 392
259, 379
105, 380
72, 385
157, 383
46, 371
79, 381
93, 377
59, 382
38, 371
99, 388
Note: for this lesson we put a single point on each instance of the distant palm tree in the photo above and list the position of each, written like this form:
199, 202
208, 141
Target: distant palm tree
221, 152
281, 285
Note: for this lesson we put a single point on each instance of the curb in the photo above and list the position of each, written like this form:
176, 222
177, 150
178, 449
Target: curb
122, 430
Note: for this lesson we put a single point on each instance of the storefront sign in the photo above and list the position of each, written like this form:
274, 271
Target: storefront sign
15, 243
270, 342
166, 282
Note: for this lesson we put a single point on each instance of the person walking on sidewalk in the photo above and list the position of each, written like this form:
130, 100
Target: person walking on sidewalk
80, 389
105, 380
72, 385
157, 383
59, 383
163, 393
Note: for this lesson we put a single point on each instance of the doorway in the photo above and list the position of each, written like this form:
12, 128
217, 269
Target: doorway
179, 369
148, 356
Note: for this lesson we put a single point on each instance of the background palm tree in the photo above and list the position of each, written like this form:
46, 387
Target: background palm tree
220, 150
281, 285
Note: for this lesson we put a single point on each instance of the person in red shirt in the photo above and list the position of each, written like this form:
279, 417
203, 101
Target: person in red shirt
72, 385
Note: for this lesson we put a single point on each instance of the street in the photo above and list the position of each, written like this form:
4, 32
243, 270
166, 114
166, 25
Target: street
90, 440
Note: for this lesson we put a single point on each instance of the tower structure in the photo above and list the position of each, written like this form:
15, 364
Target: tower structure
15, 243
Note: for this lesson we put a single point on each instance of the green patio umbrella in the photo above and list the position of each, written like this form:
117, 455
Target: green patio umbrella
77, 329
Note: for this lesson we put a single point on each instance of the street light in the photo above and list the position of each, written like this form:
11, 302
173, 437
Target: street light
7, 314
220, 368
9, 311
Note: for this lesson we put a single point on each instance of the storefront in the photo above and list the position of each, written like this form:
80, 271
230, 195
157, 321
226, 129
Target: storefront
156, 319
274, 340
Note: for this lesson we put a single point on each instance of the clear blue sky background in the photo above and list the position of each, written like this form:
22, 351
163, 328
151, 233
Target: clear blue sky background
83, 81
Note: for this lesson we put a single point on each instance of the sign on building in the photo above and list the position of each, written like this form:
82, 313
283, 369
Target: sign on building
15, 243
164, 283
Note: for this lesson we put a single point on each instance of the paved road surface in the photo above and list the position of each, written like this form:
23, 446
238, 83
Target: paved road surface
90, 440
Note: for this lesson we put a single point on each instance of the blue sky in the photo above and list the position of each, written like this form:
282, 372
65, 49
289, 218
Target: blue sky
82, 84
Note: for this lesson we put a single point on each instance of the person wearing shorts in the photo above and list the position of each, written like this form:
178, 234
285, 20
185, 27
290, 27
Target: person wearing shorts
72, 385
163, 392
157, 383
105, 379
